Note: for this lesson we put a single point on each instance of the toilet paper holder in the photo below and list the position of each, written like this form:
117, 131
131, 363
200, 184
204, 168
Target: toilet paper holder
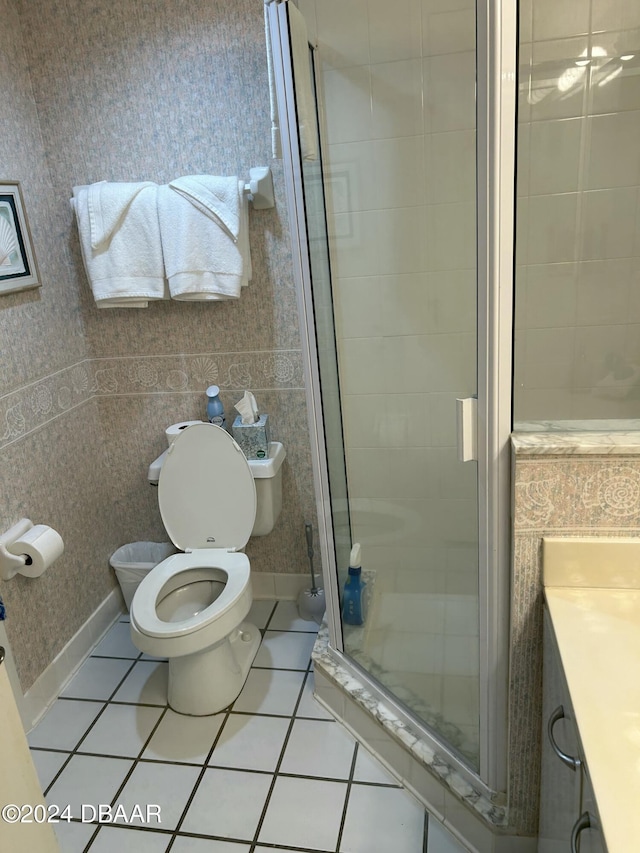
14, 560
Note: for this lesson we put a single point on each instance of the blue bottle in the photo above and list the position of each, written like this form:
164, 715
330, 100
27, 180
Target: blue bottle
215, 409
353, 602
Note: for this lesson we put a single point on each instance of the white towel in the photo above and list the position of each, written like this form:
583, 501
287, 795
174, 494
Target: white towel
120, 242
203, 225
305, 99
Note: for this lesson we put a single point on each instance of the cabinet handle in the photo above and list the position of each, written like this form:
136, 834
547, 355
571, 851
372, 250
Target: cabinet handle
569, 760
581, 824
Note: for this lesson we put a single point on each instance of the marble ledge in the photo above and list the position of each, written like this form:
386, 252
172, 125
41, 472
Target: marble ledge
576, 443
492, 812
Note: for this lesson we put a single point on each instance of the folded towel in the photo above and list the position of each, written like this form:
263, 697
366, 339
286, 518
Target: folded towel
305, 98
120, 242
203, 225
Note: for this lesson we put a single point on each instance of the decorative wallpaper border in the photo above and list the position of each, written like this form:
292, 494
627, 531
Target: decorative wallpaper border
28, 408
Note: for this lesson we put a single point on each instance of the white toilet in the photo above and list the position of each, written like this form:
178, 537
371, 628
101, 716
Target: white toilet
190, 608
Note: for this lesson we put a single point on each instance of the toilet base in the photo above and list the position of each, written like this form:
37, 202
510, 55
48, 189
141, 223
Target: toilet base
204, 683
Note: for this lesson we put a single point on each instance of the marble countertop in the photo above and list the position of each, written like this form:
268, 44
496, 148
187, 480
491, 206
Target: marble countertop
576, 442
592, 589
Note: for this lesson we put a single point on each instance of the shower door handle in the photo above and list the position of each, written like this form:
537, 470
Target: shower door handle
467, 420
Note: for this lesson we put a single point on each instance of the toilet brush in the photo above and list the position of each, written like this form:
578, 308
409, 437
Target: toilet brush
311, 603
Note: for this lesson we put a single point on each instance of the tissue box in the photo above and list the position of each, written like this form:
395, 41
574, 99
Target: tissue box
252, 438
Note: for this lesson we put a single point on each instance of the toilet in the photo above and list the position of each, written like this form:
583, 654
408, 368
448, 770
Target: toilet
191, 607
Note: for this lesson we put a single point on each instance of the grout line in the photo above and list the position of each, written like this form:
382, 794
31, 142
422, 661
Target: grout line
278, 764
128, 774
270, 617
204, 769
75, 751
112, 701
100, 713
280, 668
347, 795
112, 657
139, 759
425, 833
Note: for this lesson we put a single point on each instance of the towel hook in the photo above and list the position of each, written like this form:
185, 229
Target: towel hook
260, 188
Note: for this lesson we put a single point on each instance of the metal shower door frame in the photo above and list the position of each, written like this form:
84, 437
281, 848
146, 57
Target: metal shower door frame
496, 127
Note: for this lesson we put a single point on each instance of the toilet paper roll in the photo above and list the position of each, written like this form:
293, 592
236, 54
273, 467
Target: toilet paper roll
41, 545
174, 430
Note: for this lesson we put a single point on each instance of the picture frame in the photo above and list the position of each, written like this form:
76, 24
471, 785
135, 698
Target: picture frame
18, 266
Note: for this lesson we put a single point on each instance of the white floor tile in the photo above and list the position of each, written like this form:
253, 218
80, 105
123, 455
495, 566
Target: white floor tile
64, 724
166, 785
369, 769
287, 618
47, 765
73, 837
303, 813
183, 738
318, 748
440, 840
97, 678
309, 706
270, 692
87, 780
146, 684
306, 813
250, 742
228, 803
260, 613
282, 650
117, 642
129, 841
121, 730
184, 844
382, 819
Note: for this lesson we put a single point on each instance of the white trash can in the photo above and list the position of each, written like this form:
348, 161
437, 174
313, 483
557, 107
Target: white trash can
133, 562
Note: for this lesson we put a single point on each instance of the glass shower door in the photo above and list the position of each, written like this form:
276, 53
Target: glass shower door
390, 213
399, 133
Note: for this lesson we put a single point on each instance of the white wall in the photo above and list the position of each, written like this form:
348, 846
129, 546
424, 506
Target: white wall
398, 93
578, 234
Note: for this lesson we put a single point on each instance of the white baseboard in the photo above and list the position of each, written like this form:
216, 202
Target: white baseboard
48, 686
273, 585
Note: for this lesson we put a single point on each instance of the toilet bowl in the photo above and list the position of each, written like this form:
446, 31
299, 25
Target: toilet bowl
192, 606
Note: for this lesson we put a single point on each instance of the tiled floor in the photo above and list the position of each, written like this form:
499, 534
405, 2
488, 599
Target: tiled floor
272, 772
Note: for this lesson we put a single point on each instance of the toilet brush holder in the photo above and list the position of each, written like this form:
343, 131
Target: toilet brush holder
311, 602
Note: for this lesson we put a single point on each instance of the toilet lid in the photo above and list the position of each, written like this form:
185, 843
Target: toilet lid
206, 491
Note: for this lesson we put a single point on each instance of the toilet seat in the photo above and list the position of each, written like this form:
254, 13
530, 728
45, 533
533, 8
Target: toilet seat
206, 491
207, 499
144, 608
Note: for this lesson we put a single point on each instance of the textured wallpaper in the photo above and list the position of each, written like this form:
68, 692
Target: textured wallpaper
555, 494
126, 91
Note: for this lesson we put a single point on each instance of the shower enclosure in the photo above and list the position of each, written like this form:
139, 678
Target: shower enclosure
402, 248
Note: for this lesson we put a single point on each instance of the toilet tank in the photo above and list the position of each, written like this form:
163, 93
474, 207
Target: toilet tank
267, 474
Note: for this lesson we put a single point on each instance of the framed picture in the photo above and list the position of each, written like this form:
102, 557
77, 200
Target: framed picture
18, 267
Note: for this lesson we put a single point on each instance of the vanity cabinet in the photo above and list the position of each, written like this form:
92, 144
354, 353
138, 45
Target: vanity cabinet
568, 815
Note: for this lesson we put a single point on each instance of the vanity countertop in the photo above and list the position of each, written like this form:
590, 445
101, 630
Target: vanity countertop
593, 596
